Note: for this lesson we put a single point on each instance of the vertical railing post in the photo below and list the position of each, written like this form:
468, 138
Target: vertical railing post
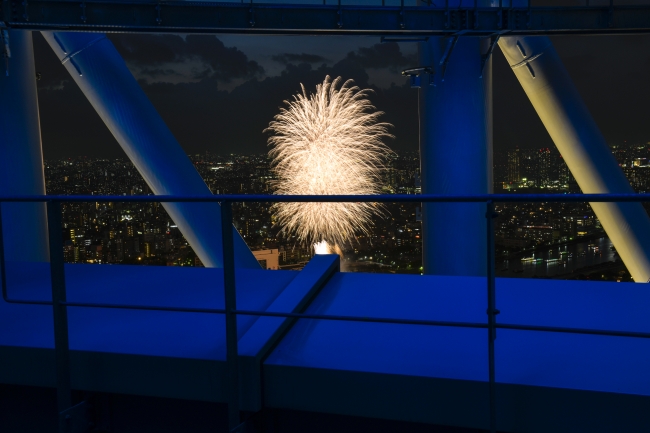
491, 312
231, 317
3, 266
60, 313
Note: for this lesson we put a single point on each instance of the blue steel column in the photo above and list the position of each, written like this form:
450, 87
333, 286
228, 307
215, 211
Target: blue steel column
567, 120
100, 72
456, 155
21, 156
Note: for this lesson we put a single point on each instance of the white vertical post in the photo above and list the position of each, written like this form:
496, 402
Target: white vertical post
567, 120
21, 156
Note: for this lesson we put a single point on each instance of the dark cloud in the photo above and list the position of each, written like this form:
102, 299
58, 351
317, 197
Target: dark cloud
379, 56
232, 122
152, 52
54, 76
69, 124
287, 58
200, 115
203, 116
158, 72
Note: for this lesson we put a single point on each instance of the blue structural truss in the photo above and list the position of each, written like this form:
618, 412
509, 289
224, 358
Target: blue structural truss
362, 17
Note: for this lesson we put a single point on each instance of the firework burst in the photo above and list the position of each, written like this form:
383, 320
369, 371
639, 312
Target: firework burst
328, 143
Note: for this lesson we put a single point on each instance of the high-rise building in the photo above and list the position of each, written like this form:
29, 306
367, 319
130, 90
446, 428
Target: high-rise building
514, 174
545, 166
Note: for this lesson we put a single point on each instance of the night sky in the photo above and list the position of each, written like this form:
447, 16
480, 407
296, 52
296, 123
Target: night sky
219, 93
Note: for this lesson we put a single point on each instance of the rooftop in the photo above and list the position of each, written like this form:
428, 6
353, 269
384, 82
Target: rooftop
546, 381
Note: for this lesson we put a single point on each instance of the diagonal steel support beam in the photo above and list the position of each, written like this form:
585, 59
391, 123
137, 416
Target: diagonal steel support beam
102, 75
584, 149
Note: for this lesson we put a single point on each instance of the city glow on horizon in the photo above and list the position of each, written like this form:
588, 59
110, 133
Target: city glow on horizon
328, 143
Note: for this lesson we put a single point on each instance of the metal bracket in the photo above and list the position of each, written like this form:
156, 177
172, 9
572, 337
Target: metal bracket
500, 15
75, 419
401, 15
493, 316
414, 75
339, 13
25, 9
610, 14
6, 51
444, 61
251, 13
447, 19
526, 62
488, 54
158, 18
83, 11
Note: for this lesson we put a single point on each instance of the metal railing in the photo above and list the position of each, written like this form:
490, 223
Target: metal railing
60, 304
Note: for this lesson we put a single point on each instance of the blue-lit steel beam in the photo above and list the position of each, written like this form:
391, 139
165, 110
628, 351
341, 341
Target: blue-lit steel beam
249, 17
455, 154
101, 74
21, 157
584, 149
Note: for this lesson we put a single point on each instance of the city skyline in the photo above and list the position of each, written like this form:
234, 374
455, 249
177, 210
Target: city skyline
145, 234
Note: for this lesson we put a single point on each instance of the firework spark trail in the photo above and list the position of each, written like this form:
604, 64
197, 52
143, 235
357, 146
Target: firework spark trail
328, 143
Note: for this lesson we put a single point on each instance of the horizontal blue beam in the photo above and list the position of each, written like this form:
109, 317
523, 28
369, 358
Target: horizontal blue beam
368, 17
365, 319
383, 198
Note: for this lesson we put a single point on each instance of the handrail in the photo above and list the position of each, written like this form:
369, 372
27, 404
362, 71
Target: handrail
380, 198
60, 304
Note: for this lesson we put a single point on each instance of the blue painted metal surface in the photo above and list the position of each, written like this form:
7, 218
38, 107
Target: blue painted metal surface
395, 357
152, 333
293, 299
100, 72
21, 156
352, 17
455, 154
266, 332
596, 363
532, 358
327, 350
396, 349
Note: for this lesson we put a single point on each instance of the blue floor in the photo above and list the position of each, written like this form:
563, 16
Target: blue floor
186, 335
584, 362
578, 362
